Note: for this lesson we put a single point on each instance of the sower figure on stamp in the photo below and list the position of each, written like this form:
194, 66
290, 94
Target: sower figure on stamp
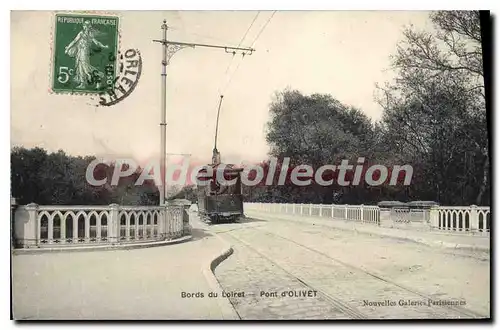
79, 48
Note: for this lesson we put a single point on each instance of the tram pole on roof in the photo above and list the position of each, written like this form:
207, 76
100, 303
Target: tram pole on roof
215, 153
169, 48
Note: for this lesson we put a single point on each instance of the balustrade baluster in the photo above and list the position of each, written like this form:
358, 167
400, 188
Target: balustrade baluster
474, 218
98, 228
87, 229
62, 227
144, 226
75, 229
50, 229
127, 227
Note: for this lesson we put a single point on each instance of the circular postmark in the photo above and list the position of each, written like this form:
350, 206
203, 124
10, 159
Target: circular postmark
115, 88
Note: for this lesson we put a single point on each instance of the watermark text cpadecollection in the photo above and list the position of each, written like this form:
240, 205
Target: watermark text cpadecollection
253, 174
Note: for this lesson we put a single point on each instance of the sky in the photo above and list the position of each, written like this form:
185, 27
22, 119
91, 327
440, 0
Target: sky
342, 53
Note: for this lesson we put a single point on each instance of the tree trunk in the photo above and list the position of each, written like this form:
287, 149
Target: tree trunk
484, 182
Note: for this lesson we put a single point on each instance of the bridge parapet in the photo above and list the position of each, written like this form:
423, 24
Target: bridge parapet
459, 219
48, 226
358, 213
470, 219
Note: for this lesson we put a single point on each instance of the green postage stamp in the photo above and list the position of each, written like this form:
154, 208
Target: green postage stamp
85, 53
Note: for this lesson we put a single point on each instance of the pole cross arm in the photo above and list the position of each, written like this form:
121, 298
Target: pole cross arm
172, 49
228, 49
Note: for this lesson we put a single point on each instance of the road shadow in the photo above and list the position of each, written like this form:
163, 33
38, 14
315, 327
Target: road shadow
193, 216
239, 221
249, 220
199, 233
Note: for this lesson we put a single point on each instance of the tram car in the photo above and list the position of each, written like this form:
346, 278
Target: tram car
220, 203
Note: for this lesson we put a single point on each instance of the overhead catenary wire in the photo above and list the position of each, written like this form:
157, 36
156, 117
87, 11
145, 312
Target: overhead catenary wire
251, 24
232, 75
215, 151
232, 58
263, 28
253, 43
184, 31
228, 81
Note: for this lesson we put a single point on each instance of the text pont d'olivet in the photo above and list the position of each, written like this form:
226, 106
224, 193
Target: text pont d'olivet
289, 293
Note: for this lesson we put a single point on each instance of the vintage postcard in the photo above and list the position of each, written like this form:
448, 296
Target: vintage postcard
251, 165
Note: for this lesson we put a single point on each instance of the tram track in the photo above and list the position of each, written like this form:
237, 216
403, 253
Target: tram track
336, 303
466, 253
461, 311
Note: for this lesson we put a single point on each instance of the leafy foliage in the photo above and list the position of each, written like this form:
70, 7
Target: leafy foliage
58, 179
187, 192
435, 110
434, 119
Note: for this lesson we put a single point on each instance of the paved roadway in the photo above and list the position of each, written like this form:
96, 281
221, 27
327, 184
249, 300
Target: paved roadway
323, 273
461, 242
139, 284
326, 273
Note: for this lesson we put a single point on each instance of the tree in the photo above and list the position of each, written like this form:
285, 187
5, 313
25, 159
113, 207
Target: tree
60, 179
187, 192
25, 167
434, 112
317, 130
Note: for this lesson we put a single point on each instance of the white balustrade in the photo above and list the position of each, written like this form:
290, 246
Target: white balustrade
364, 214
46, 226
371, 214
400, 215
468, 219
471, 219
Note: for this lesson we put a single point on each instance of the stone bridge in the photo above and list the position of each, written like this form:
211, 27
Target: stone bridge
283, 261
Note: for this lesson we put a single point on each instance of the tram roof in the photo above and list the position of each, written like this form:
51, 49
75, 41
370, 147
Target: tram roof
230, 168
